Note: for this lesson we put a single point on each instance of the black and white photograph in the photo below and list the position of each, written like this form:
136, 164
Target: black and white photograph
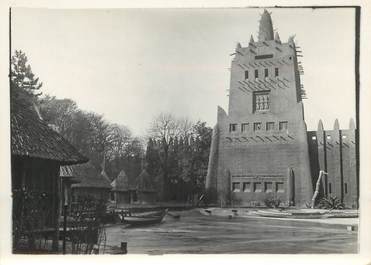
192, 130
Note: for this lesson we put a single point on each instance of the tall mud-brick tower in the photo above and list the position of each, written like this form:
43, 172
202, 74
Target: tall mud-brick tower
259, 149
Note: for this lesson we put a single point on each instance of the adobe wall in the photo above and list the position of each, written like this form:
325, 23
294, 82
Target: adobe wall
334, 151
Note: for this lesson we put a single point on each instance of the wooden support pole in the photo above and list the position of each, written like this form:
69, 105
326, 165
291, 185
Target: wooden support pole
241, 89
269, 139
273, 81
321, 173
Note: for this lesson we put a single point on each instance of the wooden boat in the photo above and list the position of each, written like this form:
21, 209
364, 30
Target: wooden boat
149, 219
276, 214
174, 215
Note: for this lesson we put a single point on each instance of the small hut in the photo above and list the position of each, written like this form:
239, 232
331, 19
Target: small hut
123, 191
93, 184
37, 154
145, 188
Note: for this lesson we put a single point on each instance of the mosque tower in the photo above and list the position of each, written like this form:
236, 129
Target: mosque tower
259, 148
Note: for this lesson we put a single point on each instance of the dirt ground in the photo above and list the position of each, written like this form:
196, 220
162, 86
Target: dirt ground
199, 234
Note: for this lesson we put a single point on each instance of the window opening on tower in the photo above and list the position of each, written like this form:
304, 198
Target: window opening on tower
261, 101
246, 74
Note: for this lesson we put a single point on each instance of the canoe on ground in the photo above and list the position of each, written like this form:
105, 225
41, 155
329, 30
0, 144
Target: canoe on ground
140, 220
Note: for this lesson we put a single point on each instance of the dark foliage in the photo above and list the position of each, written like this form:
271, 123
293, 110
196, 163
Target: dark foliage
272, 202
331, 203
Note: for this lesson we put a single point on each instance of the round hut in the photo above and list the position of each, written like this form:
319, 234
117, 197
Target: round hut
122, 191
93, 183
145, 188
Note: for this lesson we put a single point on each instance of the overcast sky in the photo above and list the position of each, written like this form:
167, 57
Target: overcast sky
132, 64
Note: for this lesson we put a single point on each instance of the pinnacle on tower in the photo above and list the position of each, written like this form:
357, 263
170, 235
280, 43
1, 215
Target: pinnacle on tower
238, 46
265, 27
277, 37
336, 125
320, 126
251, 39
291, 39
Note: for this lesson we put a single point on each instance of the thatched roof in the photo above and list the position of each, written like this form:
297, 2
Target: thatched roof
66, 171
67, 175
122, 182
90, 177
145, 182
32, 137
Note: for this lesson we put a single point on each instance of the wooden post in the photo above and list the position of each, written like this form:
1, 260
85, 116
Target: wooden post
64, 227
55, 205
321, 173
65, 207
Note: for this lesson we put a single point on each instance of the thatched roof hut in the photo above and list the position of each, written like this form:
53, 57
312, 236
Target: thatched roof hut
38, 152
145, 188
90, 177
145, 182
122, 183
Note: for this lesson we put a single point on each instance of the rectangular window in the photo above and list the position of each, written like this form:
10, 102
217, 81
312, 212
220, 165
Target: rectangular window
270, 126
275, 72
345, 188
246, 187
329, 188
232, 127
263, 56
261, 100
246, 74
244, 127
236, 187
279, 187
257, 126
256, 73
257, 187
283, 125
266, 72
268, 186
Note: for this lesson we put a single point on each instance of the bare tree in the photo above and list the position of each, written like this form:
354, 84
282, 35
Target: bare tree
166, 126
165, 129
119, 138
